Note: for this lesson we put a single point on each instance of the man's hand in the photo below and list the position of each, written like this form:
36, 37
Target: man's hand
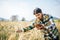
39, 26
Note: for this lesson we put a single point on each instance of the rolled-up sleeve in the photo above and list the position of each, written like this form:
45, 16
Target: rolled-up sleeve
31, 26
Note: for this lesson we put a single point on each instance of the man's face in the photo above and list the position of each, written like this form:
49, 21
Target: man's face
39, 16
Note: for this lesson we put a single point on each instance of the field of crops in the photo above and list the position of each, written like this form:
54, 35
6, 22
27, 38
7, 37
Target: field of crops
8, 31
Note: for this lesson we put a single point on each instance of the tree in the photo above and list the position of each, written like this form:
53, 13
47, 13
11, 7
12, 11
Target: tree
14, 17
23, 19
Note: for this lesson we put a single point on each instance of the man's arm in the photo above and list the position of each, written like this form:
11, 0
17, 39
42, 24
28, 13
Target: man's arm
28, 28
31, 26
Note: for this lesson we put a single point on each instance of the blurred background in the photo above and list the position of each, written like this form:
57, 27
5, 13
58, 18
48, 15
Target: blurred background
24, 8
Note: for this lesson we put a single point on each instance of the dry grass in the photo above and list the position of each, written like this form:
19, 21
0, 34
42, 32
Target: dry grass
8, 31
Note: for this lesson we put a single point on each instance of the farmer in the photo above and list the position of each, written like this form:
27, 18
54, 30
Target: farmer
44, 22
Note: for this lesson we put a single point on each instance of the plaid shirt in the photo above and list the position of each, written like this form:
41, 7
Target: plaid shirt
50, 30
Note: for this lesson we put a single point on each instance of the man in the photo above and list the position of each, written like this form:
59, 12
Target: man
44, 22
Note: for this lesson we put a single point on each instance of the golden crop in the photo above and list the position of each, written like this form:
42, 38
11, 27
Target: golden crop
8, 31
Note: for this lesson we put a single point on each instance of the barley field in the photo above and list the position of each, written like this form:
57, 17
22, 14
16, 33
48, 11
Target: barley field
8, 31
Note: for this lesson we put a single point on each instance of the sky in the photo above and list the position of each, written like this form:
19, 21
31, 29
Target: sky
24, 8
